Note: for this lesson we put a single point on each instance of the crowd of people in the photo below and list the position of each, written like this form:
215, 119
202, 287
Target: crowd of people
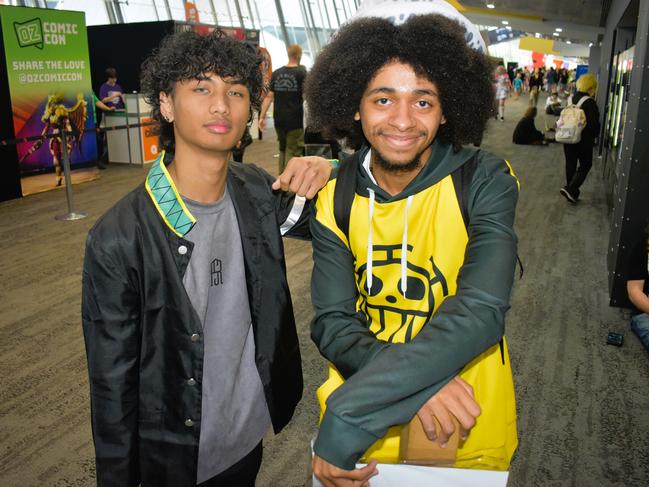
560, 83
562, 91
561, 80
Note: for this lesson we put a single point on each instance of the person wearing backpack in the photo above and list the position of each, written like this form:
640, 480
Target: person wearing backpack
579, 156
414, 250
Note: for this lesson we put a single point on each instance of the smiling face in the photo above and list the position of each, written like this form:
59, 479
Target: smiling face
400, 113
208, 114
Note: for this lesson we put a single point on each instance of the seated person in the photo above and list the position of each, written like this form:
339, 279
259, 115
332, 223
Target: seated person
637, 286
553, 104
525, 132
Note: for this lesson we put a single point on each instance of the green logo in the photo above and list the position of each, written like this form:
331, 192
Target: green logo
29, 33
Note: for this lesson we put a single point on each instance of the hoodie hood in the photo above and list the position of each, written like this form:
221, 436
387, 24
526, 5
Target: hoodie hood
442, 162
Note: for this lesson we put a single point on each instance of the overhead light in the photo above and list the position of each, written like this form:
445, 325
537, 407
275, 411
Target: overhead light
509, 27
491, 5
590, 44
568, 42
556, 34
505, 22
537, 35
559, 29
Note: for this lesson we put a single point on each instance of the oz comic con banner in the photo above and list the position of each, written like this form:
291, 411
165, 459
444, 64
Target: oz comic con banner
50, 87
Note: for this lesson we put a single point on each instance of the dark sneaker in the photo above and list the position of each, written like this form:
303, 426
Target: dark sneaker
570, 197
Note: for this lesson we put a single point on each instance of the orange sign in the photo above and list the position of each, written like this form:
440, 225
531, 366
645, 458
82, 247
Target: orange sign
150, 142
538, 58
191, 12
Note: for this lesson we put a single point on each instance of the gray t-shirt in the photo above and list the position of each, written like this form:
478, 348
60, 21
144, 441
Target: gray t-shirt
234, 415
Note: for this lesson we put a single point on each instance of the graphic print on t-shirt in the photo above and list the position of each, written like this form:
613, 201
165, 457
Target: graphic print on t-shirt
216, 273
286, 82
391, 311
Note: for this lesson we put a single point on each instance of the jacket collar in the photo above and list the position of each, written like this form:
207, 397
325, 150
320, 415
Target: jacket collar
166, 198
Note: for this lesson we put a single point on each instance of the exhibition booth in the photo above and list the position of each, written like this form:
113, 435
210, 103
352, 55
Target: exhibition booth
54, 64
46, 88
130, 134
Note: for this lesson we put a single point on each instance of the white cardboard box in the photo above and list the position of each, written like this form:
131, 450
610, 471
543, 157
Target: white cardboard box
400, 475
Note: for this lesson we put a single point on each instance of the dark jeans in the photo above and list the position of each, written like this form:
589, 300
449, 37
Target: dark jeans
241, 474
553, 110
640, 326
579, 160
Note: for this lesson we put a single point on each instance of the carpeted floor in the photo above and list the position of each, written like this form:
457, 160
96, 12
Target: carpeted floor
582, 405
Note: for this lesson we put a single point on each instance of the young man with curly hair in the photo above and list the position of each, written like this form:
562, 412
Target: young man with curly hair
189, 329
412, 281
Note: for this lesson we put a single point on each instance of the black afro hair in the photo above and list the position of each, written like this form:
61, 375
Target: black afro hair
435, 47
188, 55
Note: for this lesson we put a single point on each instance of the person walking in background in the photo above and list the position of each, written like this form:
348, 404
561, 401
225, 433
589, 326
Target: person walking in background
525, 132
110, 92
536, 83
518, 85
526, 80
579, 156
562, 88
552, 79
288, 113
571, 82
503, 85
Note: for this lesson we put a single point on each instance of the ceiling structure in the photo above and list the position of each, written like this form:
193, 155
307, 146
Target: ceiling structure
579, 20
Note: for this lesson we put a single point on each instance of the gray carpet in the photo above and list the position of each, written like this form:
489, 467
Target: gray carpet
582, 405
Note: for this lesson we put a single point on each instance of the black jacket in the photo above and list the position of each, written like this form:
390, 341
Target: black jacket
525, 132
143, 337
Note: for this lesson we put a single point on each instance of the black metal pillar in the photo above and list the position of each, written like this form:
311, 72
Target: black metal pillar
631, 196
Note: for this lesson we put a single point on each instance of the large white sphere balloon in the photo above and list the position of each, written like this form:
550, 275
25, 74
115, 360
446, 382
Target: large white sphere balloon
398, 11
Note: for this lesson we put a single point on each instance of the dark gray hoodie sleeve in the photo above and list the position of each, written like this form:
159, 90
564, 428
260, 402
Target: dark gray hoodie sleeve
387, 384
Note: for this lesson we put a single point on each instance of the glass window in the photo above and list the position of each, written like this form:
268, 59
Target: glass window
319, 14
249, 20
225, 13
162, 9
139, 11
205, 14
177, 9
245, 14
96, 13
268, 14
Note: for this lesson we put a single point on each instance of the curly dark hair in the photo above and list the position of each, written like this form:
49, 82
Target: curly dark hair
433, 45
188, 55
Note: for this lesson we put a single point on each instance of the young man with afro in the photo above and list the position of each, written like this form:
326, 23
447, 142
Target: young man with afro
415, 285
190, 334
